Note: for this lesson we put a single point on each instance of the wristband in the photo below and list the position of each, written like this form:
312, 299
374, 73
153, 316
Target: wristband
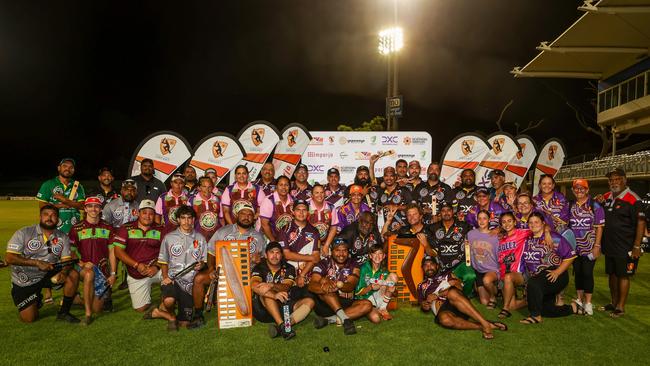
637, 247
113, 273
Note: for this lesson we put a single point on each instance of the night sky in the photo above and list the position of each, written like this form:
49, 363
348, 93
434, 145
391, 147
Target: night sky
90, 79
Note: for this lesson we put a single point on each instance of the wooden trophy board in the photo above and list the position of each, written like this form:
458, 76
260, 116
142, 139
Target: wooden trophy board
234, 303
404, 258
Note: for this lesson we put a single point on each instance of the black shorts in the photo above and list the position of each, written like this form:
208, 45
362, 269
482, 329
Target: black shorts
322, 309
479, 279
24, 296
184, 300
620, 266
262, 315
448, 307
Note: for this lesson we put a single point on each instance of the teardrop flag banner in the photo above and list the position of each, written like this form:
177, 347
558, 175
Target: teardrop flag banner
549, 161
465, 151
522, 161
167, 149
258, 139
219, 151
289, 150
503, 147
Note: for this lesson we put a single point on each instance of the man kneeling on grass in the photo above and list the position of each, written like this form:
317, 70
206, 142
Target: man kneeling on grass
274, 286
183, 253
441, 293
333, 280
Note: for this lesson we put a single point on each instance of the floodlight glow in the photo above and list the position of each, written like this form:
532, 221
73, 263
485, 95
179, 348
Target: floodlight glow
391, 40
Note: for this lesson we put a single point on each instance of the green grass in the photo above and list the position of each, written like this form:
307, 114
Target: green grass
412, 338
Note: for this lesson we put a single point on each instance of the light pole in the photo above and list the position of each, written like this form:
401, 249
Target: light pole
391, 40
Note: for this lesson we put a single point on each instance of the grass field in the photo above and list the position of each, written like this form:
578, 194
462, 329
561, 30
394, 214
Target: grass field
412, 338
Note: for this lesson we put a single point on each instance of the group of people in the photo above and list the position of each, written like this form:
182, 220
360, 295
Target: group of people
322, 248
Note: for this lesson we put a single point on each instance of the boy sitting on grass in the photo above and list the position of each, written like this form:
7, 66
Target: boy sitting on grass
376, 284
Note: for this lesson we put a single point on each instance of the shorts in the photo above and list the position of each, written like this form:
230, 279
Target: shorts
262, 315
448, 307
620, 266
25, 296
322, 309
140, 289
184, 300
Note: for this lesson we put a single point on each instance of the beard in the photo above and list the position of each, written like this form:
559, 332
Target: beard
244, 225
362, 182
47, 226
433, 177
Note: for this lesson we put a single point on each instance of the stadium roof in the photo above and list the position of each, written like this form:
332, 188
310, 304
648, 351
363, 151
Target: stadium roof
611, 36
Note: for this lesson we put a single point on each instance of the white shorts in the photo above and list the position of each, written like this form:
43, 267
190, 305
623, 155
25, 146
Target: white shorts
140, 289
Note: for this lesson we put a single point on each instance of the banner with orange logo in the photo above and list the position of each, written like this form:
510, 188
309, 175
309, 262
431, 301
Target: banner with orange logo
522, 161
219, 151
503, 148
167, 149
466, 151
258, 139
549, 161
289, 150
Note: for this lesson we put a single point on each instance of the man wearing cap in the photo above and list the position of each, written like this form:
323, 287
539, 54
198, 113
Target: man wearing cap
241, 192
333, 281
266, 181
137, 245
334, 191
432, 193
414, 170
322, 214
273, 285
300, 243
393, 198
207, 207
169, 202
150, 187
90, 240
483, 202
180, 249
440, 292
362, 235
31, 252
276, 212
212, 174
349, 212
301, 189
508, 199
65, 194
105, 188
191, 182
497, 179
621, 243
417, 227
464, 193
449, 244
124, 208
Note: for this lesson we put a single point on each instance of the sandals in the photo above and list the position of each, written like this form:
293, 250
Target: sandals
577, 308
608, 307
617, 313
487, 335
491, 305
500, 326
48, 301
148, 314
529, 320
504, 314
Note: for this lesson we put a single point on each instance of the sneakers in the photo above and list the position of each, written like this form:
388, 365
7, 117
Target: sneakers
87, 320
172, 325
348, 327
589, 308
108, 305
67, 317
288, 335
196, 323
320, 322
275, 330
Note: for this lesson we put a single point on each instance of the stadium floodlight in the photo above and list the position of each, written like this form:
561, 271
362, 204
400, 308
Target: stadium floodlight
391, 40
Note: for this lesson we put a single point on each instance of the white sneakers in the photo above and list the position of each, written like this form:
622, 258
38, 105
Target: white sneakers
589, 308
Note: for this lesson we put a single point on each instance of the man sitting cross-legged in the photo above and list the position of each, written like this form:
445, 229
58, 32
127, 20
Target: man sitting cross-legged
441, 293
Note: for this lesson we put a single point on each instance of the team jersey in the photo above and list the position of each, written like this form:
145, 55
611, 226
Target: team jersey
179, 250
348, 214
106, 197
31, 243
621, 215
399, 196
521, 221
537, 257
511, 249
495, 210
68, 216
432, 197
301, 240
449, 243
557, 207
119, 212
336, 272
207, 214
256, 240
463, 200
335, 196
143, 246
167, 206
365, 275
322, 219
285, 272
434, 285
148, 189
279, 214
91, 242
360, 245
267, 188
235, 196
300, 194
583, 222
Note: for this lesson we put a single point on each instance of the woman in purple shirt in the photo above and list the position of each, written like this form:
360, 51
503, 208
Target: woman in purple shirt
552, 203
546, 269
484, 245
586, 220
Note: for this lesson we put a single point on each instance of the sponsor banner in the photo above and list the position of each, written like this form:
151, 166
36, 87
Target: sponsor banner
549, 161
503, 148
289, 150
219, 151
258, 139
522, 161
167, 149
465, 151
347, 150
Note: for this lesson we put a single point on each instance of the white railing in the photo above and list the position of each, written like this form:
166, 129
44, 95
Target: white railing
635, 165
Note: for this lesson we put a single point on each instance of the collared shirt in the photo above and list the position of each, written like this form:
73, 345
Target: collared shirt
256, 240
360, 245
105, 196
234, 196
207, 214
537, 257
322, 219
119, 212
365, 275
434, 285
621, 215
399, 196
301, 194
267, 188
449, 243
494, 209
148, 189
433, 196
348, 215
301, 240
335, 196
167, 206
336, 272
583, 222
285, 272
463, 199
31, 243
91, 241
557, 207
178, 250
143, 246
68, 216
278, 213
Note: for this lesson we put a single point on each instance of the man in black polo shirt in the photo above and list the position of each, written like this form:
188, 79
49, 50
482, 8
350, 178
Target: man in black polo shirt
432, 193
464, 193
105, 187
625, 226
149, 187
362, 235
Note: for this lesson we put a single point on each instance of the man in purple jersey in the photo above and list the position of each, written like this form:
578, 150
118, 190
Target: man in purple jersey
333, 281
266, 181
483, 202
334, 191
301, 189
300, 243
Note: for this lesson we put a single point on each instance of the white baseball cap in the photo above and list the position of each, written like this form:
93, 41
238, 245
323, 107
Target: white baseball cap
147, 204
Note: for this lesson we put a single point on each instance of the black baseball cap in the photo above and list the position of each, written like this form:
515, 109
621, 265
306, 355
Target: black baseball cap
273, 245
339, 241
363, 167
302, 166
481, 190
333, 171
617, 171
428, 258
497, 172
68, 160
129, 182
296, 203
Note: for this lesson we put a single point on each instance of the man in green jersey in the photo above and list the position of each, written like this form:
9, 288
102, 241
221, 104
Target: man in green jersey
376, 284
64, 193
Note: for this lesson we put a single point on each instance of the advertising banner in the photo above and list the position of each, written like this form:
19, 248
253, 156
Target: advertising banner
167, 149
465, 151
549, 161
289, 150
522, 161
258, 139
503, 148
219, 151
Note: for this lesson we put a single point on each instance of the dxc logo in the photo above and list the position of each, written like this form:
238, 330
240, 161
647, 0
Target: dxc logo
449, 249
316, 168
389, 140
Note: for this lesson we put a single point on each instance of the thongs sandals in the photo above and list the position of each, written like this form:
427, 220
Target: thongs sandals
500, 326
577, 308
504, 314
491, 305
487, 335
608, 307
529, 320
617, 313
